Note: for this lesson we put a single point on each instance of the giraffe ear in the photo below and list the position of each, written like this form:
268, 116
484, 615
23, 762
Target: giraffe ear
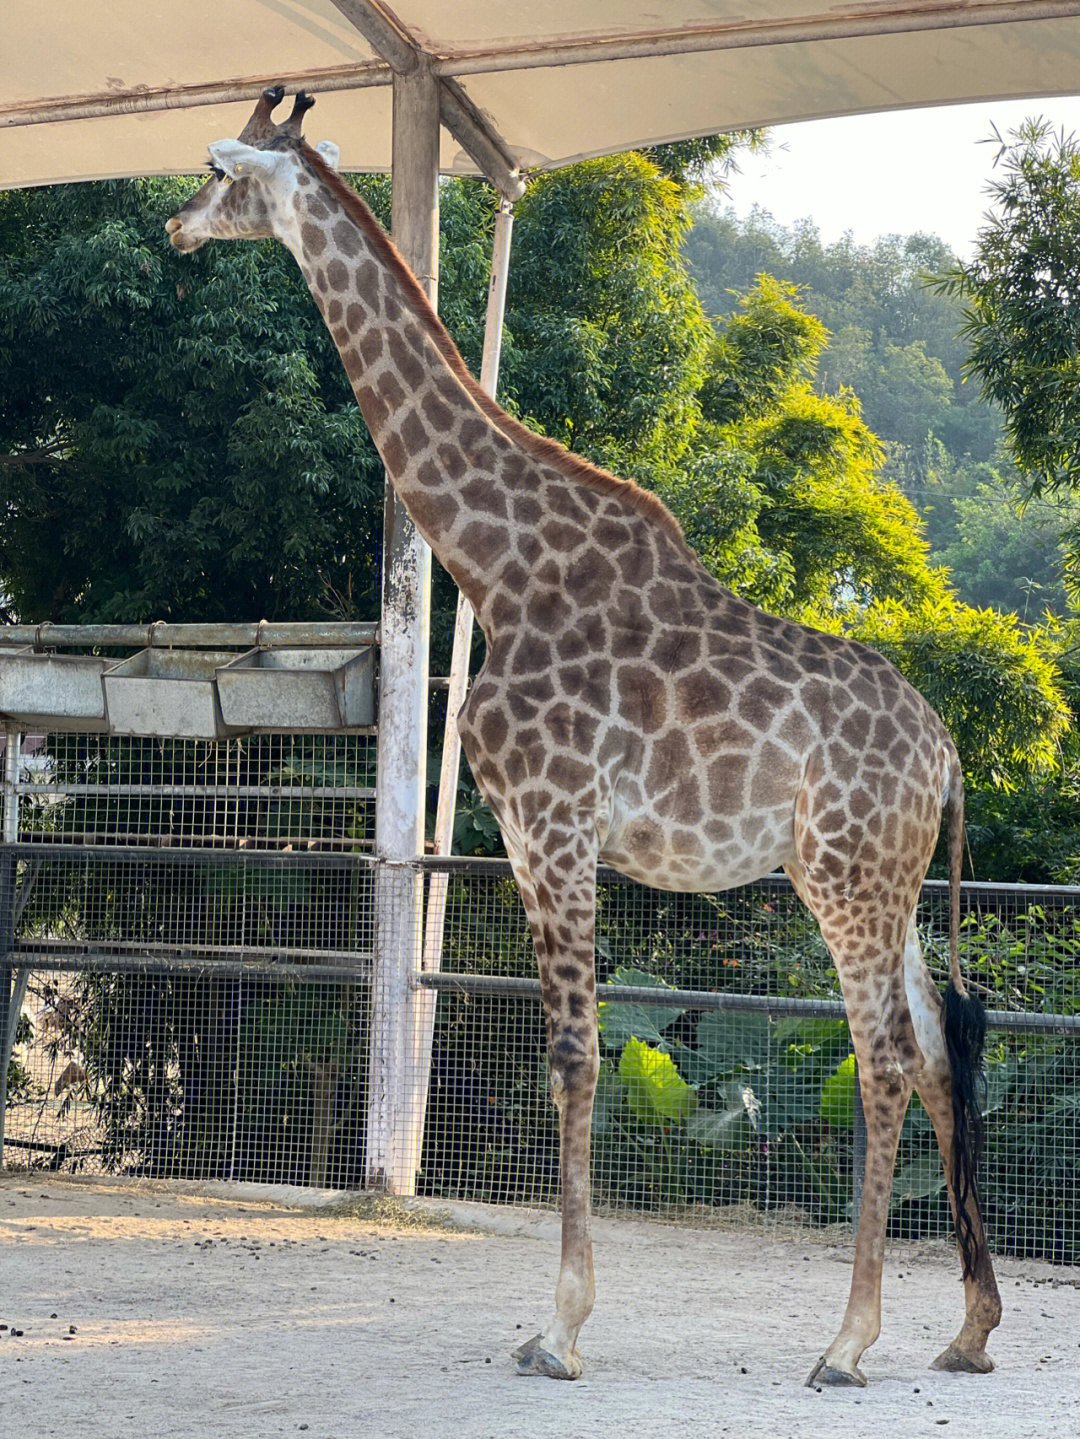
238, 159
330, 152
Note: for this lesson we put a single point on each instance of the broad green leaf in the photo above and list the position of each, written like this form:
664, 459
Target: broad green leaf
620, 1022
838, 1095
919, 1179
655, 1090
730, 1044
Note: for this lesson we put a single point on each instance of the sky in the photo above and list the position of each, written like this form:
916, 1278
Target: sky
894, 173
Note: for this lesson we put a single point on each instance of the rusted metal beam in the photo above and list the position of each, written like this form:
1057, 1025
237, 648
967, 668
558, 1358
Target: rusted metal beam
389, 36
144, 100
853, 23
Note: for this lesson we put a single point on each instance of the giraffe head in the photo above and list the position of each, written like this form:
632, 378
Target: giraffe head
253, 179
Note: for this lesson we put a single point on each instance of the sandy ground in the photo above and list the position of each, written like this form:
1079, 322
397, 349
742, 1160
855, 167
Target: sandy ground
168, 1312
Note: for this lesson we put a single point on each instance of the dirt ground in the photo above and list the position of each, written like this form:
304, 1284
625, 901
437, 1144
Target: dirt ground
151, 1311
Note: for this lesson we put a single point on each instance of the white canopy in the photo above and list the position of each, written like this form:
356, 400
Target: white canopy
103, 89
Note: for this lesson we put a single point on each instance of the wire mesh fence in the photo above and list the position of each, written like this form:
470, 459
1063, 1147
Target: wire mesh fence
199, 923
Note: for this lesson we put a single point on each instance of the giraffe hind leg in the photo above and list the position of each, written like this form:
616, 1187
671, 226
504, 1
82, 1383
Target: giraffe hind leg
945, 1088
865, 942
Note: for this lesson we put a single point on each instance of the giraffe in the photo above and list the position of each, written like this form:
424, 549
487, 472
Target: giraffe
633, 711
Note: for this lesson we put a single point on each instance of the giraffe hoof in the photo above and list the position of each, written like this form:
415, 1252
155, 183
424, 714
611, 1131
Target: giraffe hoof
955, 1361
825, 1373
534, 1360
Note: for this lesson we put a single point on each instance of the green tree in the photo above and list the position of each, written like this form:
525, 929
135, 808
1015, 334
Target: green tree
1022, 296
178, 437
802, 468
608, 336
994, 683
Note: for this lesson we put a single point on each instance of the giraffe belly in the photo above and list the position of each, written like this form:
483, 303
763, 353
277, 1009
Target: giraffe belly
718, 855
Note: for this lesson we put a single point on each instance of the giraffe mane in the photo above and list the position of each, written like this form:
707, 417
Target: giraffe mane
542, 447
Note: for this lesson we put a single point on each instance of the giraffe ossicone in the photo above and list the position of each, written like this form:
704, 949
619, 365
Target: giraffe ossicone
632, 710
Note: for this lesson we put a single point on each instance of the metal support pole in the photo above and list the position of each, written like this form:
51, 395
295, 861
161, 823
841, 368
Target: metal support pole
438, 885
403, 696
11, 994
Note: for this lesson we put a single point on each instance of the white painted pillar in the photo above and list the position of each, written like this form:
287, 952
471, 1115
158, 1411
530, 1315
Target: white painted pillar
438, 884
403, 697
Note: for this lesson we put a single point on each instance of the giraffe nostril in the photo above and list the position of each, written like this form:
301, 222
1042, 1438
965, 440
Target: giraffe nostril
172, 225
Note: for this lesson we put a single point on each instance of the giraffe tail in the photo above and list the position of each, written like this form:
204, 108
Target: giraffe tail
964, 1025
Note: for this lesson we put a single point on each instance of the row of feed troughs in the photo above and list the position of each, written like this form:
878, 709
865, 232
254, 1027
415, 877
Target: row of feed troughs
189, 693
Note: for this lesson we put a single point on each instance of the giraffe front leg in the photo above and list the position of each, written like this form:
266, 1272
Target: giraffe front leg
557, 880
574, 1064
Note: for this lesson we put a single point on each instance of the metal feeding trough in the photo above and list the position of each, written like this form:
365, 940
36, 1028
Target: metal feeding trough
299, 689
52, 692
167, 693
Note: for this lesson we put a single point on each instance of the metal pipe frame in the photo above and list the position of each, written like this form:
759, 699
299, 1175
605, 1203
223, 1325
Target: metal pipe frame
386, 34
161, 634
402, 54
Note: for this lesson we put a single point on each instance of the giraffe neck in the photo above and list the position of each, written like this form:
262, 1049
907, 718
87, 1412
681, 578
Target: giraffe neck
498, 504
441, 450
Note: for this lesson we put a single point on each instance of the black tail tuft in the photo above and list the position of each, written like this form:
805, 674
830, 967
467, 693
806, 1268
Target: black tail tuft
965, 1033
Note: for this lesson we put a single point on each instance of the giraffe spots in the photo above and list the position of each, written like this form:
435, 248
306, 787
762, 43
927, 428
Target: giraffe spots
371, 345
354, 317
317, 209
354, 367
795, 731
452, 461
670, 759
393, 453
515, 468
548, 610
636, 561
855, 729
700, 696
408, 366
390, 392
532, 655
642, 697
439, 414
596, 578
347, 238
481, 495
494, 729
333, 313
337, 275
414, 435
527, 510
434, 513
727, 784
676, 650
367, 278
612, 535
482, 543
567, 773
313, 239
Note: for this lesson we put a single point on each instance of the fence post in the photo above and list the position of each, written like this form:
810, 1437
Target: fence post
858, 1153
12, 983
403, 695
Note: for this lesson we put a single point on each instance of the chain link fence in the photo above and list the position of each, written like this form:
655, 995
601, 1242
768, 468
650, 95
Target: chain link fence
197, 924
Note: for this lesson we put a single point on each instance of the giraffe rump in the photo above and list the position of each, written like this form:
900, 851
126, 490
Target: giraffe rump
964, 1024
